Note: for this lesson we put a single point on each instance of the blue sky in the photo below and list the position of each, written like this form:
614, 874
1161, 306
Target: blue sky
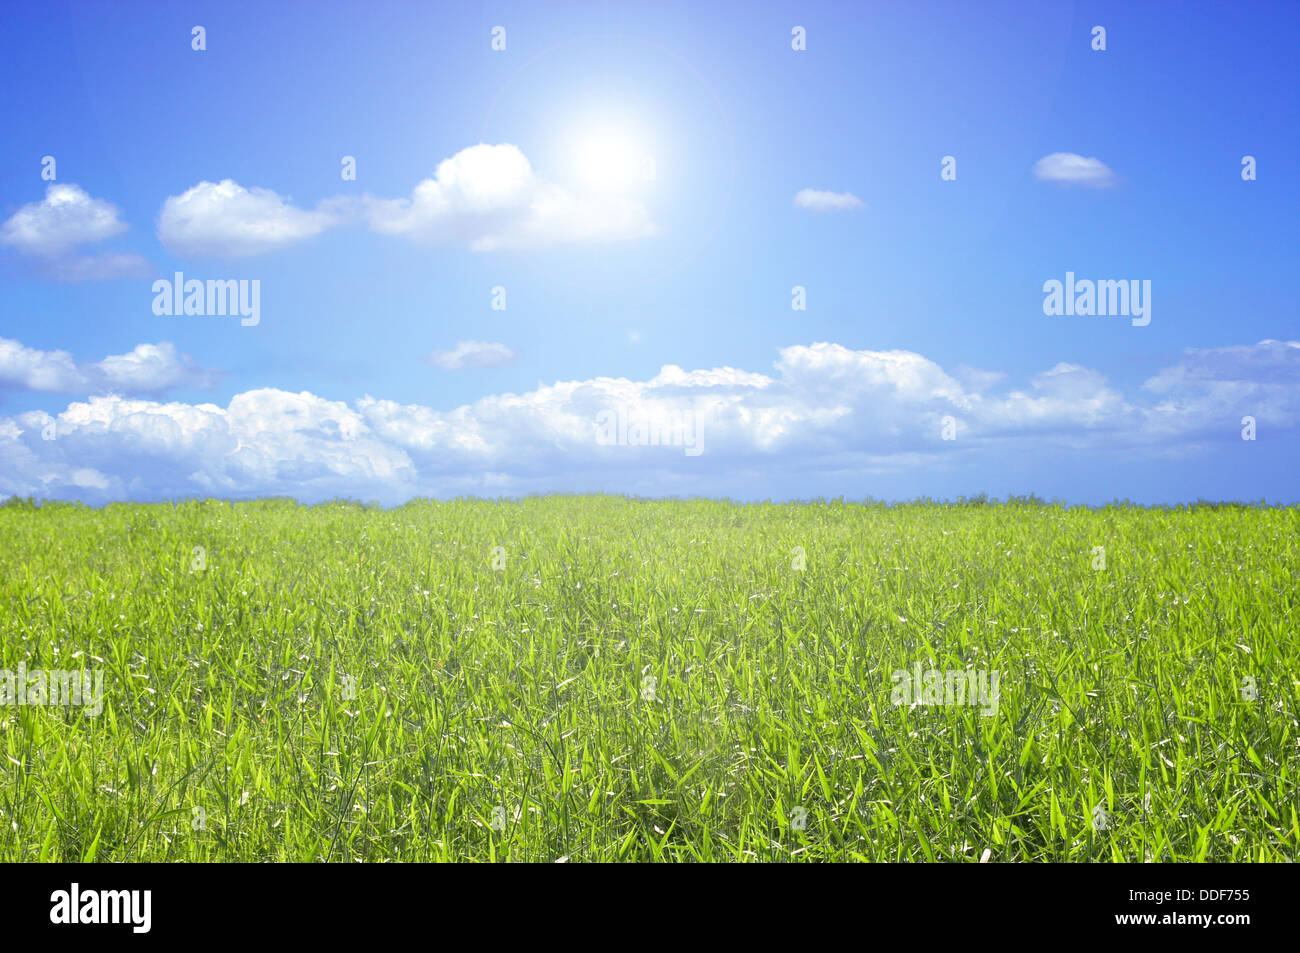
924, 296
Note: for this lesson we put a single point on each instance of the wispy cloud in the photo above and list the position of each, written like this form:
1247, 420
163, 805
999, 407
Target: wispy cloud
100, 267
1067, 168
818, 200
472, 354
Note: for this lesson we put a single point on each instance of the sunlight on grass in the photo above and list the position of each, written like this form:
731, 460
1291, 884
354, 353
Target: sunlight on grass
645, 680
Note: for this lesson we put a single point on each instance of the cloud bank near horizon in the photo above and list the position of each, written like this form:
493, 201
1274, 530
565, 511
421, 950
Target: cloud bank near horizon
825, 409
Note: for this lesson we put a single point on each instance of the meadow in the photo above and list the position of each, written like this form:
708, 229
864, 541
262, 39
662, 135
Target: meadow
601, 678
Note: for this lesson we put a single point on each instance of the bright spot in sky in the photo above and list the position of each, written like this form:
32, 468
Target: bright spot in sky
613, 160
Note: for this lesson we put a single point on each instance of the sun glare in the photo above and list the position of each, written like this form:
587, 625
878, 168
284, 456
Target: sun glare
613, 161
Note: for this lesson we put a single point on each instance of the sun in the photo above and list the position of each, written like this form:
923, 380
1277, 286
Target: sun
612, 160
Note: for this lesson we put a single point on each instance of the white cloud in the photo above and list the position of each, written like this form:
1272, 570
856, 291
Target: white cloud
472, 354
32, 369
48, 232
826, 409
146, 369
113, 447
67, 217
1067, 168
152, 368
817, 200
487, 197
225, 220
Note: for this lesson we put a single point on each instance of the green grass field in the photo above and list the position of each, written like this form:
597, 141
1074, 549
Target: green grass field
650, 681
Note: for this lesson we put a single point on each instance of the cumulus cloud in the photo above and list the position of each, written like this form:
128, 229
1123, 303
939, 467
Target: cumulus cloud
817, 200
472, 354
146, 369
1068, 168
824, 409
32, 369
67, 217
49, 232
225, 220
487, 197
